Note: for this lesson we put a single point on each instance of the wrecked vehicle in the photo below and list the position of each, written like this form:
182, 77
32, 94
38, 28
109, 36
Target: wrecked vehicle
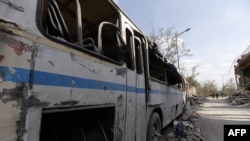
82, 71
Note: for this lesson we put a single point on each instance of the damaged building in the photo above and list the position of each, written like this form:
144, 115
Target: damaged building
242, 71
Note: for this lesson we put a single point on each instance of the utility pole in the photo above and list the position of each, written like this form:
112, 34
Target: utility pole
177, 50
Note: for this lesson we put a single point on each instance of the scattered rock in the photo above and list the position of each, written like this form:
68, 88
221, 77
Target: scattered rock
184, 128
239, 99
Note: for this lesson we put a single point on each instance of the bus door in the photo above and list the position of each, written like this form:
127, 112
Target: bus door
140, 88
130, 117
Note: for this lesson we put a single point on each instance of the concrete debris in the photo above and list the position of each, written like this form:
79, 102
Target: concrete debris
196, 100
239, 99
184, 128
180, 129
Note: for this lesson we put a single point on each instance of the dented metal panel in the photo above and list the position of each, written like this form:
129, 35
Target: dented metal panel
14, 108
36, 72
14, 83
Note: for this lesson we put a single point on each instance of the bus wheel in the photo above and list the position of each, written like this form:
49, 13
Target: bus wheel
154, 127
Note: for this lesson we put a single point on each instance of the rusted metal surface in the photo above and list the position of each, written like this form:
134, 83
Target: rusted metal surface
18, 46
8, 97
14, 97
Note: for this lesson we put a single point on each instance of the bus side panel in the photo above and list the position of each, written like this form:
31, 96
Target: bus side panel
167, 98
15, 57
178, 95
38, 74
73, 76
69, 78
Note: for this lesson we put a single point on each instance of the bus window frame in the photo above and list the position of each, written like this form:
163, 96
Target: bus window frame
140, 57
39, 13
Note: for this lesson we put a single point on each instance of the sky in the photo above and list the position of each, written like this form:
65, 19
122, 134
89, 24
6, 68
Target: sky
220, 30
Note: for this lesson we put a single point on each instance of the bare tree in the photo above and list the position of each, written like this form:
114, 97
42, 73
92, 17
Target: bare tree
192, 78
229, 87
209, 87
165, 39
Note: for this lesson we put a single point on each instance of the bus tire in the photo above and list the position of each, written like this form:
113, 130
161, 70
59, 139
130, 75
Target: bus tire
154, 127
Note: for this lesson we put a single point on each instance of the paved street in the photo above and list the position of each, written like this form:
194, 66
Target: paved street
216, 113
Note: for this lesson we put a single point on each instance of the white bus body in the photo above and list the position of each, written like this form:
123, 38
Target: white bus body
80, 70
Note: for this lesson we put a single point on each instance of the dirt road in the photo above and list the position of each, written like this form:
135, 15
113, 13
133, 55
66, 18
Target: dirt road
216, 113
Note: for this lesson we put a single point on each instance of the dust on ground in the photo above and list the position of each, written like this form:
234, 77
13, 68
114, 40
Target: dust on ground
215, 113
204, 120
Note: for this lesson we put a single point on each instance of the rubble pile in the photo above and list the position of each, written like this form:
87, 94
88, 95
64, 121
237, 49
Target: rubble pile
184, 128
239, 99
196, 100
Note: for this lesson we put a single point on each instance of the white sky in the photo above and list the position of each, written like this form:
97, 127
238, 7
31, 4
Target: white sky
220, 30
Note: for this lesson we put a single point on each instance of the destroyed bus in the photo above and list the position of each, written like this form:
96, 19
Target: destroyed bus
81, 70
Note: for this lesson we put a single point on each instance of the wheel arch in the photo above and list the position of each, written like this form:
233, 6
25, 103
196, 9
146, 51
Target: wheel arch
154, 125
159, 112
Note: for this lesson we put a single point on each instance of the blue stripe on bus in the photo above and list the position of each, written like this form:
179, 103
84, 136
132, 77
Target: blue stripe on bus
21, 75
51, 79
13, 74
